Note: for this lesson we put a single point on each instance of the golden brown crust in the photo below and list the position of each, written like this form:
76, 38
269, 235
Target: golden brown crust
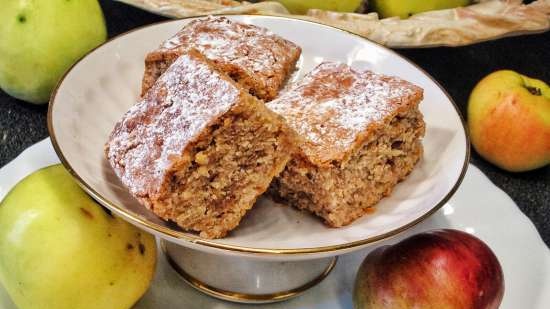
335, 109
362, 136
161, 126
256, 58
198, 149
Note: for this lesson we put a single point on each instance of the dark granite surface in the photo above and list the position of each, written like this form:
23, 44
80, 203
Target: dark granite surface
457, 69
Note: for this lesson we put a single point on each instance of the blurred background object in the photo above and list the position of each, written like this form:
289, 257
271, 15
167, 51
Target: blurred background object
459, 26
41, 39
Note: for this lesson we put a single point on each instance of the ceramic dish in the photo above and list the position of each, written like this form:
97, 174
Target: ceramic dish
524, 257
101, 87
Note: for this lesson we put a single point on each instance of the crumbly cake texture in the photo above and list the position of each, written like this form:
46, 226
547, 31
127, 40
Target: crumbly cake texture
197, 149
362, 135
256, 58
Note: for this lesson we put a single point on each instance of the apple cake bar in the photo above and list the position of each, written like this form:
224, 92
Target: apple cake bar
257, 59
362, 135
198, 149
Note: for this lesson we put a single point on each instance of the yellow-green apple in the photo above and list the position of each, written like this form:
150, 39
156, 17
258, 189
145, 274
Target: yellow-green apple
406, 8
302, 6
509, 121
41, 39
61, 250
441, 269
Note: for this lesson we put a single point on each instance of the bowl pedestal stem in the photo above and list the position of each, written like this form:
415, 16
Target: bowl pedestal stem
245, 280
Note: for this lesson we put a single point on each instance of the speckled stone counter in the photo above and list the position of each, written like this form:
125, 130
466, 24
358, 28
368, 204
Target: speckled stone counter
457, 69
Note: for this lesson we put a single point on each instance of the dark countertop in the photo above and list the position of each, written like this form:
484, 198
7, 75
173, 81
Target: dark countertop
457, 69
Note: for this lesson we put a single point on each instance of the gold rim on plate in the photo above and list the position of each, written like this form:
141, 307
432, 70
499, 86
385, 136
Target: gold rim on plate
136, 219
244, 297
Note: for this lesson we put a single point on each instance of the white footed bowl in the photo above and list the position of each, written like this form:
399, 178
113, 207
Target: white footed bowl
101, 87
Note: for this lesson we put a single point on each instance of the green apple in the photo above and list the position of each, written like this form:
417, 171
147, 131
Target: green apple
41, 39
302, 6
60, 250
406, 8
509, 121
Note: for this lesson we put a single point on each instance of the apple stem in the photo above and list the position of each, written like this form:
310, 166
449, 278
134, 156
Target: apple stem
534, 90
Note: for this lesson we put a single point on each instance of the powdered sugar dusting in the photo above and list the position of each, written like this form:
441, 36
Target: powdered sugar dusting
334, 107
186, 99
253, 50
221, 39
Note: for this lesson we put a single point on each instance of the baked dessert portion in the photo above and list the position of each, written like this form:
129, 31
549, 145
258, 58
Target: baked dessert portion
362, 136
257, 59
198, 149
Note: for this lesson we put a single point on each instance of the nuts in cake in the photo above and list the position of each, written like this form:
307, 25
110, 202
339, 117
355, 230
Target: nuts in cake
362, 135
200, 147
197, 149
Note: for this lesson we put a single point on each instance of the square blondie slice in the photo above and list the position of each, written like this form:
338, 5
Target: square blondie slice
362, 136
197, 149
256, 58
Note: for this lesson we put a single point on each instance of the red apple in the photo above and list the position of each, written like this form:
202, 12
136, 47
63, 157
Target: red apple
442, 269
509, 121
